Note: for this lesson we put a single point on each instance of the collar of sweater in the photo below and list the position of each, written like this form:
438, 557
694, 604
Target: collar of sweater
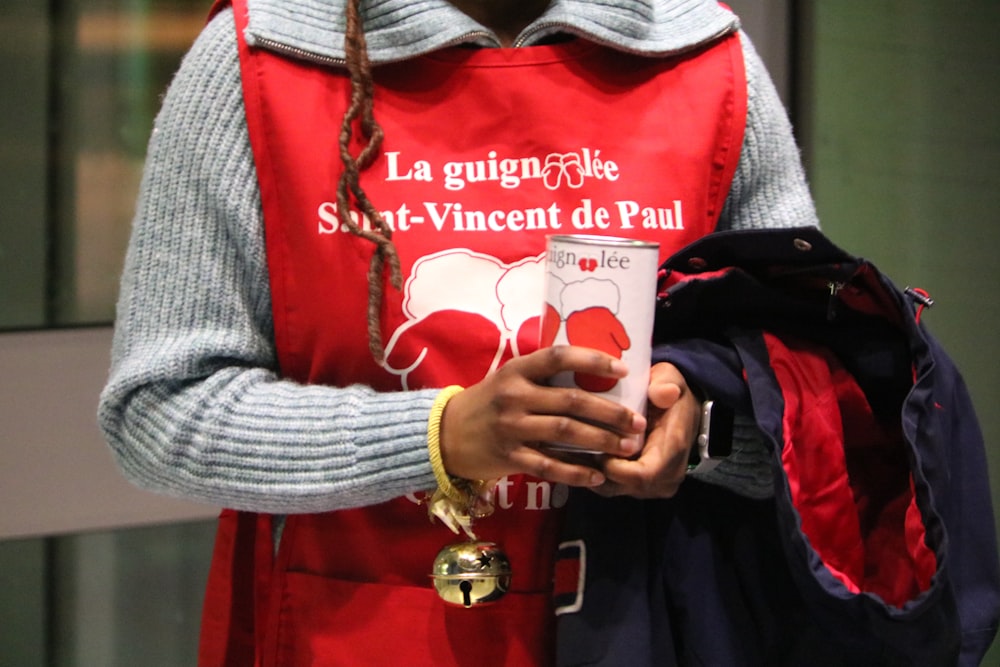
400, 29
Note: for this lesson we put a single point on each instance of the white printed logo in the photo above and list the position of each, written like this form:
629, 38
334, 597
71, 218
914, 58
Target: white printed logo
465, 310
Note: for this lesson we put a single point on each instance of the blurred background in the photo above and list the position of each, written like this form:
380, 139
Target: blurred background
894, 105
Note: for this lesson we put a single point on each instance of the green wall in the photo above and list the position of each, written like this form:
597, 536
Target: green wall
899, 114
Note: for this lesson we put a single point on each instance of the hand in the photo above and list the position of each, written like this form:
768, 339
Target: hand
494, 428
674, 413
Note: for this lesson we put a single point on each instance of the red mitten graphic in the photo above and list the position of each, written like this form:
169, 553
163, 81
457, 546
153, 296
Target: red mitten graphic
550, 327
451, 346
528, 335
599, 329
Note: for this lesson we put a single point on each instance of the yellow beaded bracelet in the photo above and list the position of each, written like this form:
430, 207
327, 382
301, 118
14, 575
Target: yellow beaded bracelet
444, 482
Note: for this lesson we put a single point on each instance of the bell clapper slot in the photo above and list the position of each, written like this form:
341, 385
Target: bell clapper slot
466, 588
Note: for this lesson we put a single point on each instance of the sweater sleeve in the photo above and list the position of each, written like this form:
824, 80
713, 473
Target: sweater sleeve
769, 188
194, 406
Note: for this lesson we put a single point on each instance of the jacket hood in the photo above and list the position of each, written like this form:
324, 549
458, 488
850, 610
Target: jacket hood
400, 29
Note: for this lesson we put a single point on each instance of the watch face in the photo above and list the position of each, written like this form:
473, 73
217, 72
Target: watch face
715, 436
720, 430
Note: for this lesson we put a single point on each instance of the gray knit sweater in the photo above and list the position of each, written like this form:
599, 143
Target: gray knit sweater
194, 406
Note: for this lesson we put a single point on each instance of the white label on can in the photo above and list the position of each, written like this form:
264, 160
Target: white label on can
600, 293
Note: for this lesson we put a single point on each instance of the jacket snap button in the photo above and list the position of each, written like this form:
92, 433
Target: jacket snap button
802, 244
697, 263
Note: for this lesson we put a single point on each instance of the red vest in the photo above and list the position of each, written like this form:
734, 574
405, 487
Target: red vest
486, 152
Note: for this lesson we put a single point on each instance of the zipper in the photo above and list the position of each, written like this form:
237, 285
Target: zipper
831, 304
301, 54
525, 36
467, 37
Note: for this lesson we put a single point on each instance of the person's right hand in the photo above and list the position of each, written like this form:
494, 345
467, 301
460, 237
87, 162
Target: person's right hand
498, 426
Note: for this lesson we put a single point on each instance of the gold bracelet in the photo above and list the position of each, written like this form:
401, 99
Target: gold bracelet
444, 482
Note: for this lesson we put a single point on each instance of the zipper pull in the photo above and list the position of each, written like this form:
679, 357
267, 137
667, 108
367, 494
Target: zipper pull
831, 304
922, 299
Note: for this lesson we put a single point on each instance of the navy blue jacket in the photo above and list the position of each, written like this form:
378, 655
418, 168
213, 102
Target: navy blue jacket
878, 546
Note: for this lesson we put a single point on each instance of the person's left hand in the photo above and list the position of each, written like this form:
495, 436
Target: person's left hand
673, 416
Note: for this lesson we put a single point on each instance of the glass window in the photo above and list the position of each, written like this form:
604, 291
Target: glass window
81, 82
77, 102
116, 599
25, 39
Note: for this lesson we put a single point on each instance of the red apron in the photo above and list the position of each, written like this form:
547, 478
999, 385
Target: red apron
486, 152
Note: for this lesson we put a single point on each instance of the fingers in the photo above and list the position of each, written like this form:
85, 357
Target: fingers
536, 463
666, 385
570, 432
660, 469
498, 426
657, 473
574, 416
542, 364
568, 415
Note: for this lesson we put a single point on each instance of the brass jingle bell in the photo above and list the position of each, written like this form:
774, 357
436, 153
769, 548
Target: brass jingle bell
471, 574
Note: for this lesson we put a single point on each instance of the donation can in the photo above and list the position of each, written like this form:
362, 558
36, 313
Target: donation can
600, 292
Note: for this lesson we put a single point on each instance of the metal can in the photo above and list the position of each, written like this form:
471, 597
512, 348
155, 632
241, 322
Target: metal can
600, 292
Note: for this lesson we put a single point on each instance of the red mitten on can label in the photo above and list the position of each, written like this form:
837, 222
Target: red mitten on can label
600, 292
